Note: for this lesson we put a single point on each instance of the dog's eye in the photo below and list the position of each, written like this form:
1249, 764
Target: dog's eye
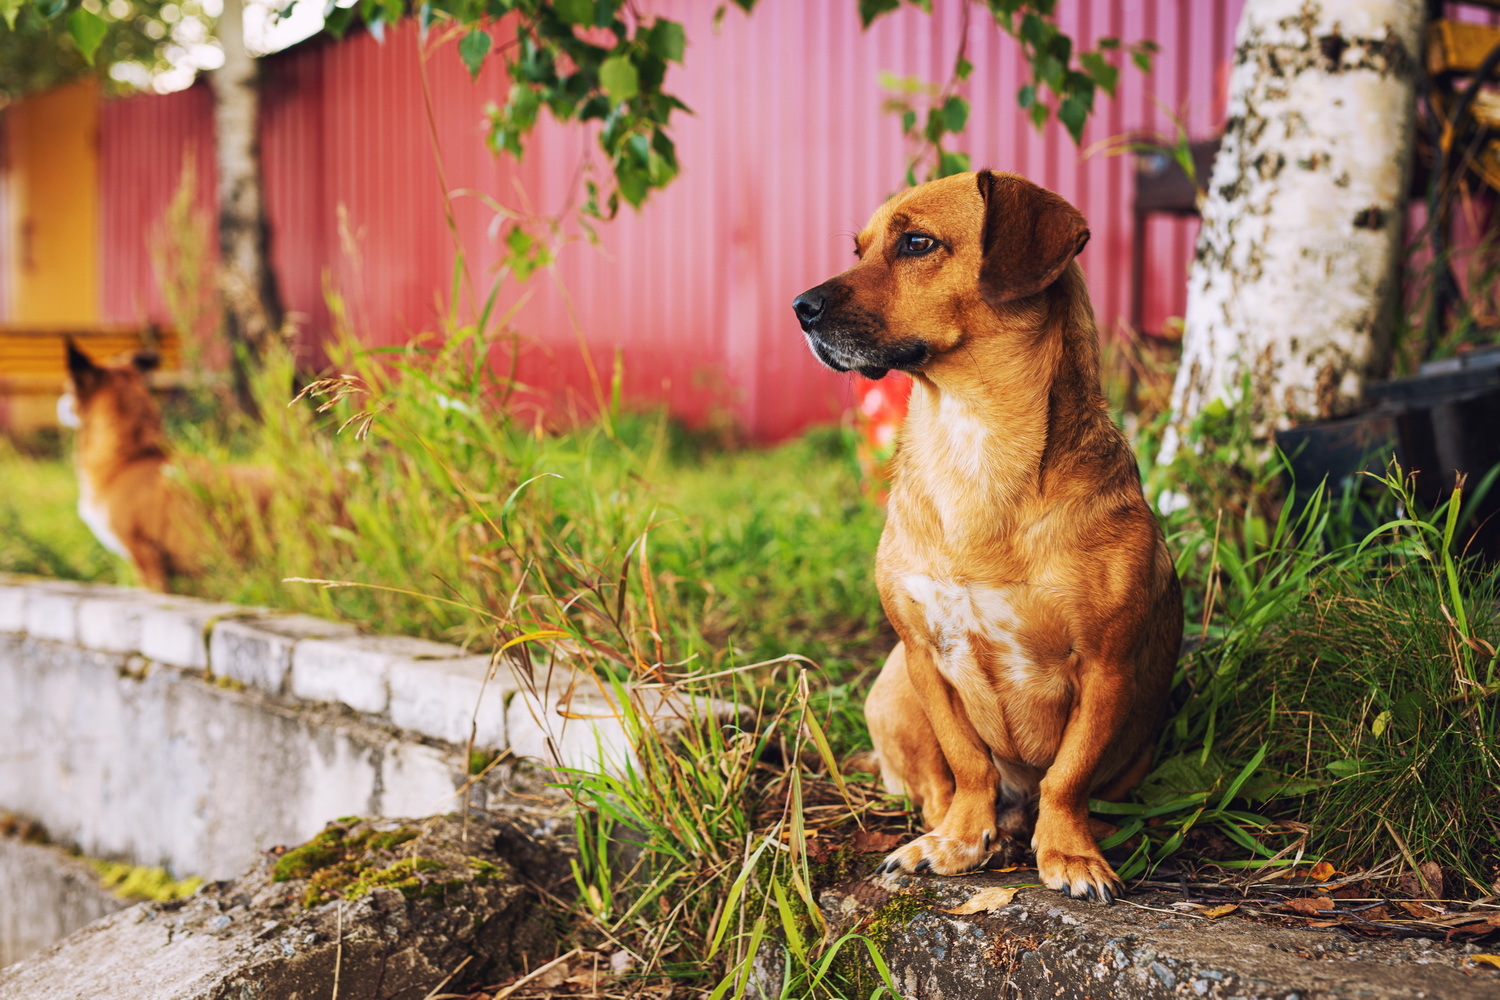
916, 244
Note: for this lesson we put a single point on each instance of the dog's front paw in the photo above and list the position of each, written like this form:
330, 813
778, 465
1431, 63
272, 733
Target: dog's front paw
940, 854
1080, 876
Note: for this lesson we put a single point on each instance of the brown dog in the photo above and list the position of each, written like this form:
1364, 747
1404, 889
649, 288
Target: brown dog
1038, 609
136, 500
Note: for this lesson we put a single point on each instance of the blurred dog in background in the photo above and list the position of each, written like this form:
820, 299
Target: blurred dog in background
140, 503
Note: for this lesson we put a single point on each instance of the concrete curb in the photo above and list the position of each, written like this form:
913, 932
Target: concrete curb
1045, 945
432, 690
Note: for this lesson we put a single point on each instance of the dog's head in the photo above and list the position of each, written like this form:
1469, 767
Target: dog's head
112, 394
933, 261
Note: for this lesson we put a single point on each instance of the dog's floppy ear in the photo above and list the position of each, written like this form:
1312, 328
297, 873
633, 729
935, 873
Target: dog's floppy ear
85, 375
146, 361
1030, 235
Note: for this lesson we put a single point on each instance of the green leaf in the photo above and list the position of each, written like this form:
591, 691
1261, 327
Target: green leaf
522, 107
1036, 32
472, 49
618, 77
869, 10
1142, 60
962, 68
667, 40
574, 11
1099, 68
9, 9
1027, 96
955, 114
87, 29
1108, 44
1073, 112
1038, 115
908, 120
1049, 71
634, 182
934, 128
952, 163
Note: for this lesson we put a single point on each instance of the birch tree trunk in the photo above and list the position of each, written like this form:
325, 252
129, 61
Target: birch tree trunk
252, 308
1293, 291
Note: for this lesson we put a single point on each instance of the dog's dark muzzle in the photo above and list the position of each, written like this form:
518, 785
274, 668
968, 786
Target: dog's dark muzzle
846, 338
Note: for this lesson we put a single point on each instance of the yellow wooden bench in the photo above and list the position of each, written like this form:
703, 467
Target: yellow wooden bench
34, 371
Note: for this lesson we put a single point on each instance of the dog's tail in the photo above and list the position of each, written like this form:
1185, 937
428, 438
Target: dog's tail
867, 761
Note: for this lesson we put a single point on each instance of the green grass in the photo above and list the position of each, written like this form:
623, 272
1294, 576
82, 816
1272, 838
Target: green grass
40, 531
1343, 689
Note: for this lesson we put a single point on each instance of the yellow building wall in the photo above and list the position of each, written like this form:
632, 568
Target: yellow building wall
50, 250
52, 178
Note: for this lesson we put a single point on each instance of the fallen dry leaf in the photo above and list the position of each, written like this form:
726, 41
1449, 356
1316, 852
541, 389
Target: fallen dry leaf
1413, 886
1487, 959
987, 899
869, 841
1322, 871
1323, 923
1420, 910
1215, 912
1310, 906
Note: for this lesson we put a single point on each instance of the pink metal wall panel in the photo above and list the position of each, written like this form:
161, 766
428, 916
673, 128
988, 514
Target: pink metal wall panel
145, 143
787, 153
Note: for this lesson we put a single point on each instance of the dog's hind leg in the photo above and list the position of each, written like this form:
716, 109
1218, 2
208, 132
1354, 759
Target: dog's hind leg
150, 564
911, 761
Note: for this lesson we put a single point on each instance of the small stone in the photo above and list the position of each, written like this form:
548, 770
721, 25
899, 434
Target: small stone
1165, 975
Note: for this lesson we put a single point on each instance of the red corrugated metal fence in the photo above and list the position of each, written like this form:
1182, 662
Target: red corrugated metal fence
786, 154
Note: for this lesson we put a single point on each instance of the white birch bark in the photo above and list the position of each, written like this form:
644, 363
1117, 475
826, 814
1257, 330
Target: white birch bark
252, 309
1293, 293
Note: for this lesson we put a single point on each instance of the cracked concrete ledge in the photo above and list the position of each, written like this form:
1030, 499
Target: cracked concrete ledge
1044, 945
192, 735
461, 912
48, 894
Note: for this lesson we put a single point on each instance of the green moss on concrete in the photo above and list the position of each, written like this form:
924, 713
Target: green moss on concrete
335, 846
480, 760
898, 911
485, 871
325, 849
853, 961
346, 861
404, 875
841, 865
387, 840
140, 882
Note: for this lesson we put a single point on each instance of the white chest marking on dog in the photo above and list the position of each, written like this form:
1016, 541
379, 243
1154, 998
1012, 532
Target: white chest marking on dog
97, 518
966, 434
955, 614
67, 411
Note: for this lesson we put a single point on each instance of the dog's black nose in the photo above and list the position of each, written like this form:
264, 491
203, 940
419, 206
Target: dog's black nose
809, 306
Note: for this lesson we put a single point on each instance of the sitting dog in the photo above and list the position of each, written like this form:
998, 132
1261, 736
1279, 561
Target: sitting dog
1038, 609
134, 498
